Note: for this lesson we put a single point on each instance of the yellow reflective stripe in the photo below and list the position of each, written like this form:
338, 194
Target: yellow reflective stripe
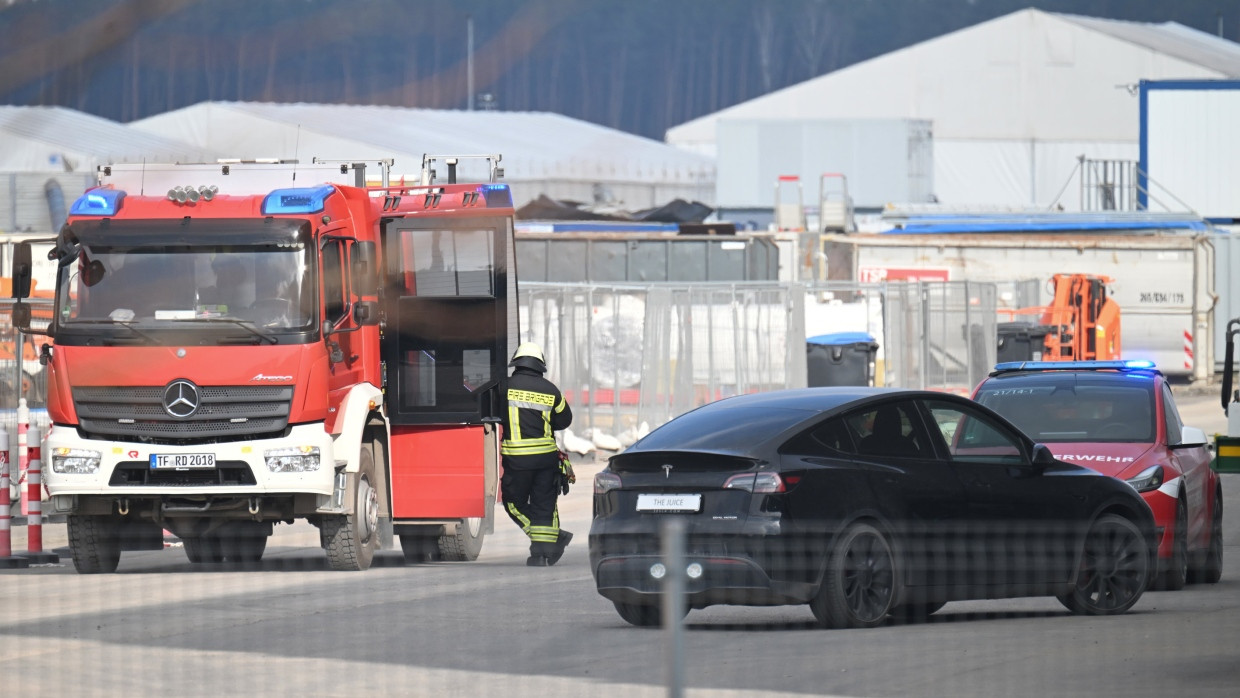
535, 400
544, 534
531, 447
560, 407
525, 522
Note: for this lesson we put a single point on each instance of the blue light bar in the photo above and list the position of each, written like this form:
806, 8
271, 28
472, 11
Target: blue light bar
497, 195
98, 202
297, 200
1120, 365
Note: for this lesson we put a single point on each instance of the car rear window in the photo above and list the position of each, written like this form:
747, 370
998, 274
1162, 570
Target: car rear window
1055, 408
722, 430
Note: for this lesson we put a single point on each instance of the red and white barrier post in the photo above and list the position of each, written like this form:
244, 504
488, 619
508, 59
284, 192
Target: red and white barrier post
7, 559
30, 458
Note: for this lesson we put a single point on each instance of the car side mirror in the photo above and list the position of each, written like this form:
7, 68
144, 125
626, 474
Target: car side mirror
1042, 455
1192, 436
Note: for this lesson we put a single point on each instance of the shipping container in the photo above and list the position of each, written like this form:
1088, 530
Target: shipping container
1162, 271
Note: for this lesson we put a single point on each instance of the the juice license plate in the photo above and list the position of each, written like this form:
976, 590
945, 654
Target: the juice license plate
182, 461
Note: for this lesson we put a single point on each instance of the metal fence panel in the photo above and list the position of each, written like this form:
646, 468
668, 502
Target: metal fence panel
939, 335
632, 355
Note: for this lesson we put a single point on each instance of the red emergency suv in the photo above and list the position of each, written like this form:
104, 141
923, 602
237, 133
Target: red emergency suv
1119, 418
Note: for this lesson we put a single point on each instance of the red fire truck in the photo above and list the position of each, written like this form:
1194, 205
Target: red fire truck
243, 344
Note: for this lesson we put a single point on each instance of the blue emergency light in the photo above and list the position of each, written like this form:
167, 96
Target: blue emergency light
297, 200
496, 195
98, 202
1120, 365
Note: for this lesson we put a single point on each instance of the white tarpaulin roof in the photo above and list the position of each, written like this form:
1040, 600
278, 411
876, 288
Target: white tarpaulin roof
536, 146
1013, 100
55, 139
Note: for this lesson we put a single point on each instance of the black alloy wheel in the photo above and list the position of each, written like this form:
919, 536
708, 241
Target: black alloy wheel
860, 585
1115, 569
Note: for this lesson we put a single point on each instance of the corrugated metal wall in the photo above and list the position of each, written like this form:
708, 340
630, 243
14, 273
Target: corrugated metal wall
625, 257
28, 200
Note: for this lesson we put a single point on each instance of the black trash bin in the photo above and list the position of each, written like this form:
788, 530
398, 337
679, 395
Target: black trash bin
840, 358
1021, 341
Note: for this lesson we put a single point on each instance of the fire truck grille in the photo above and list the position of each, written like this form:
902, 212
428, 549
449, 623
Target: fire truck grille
224, 413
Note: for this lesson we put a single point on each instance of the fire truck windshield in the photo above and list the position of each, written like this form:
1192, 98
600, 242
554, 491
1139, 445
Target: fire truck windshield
269, 286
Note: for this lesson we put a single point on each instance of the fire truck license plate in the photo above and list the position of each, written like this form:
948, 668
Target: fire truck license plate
182, 461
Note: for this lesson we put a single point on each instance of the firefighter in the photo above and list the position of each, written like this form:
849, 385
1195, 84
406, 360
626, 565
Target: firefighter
531, 481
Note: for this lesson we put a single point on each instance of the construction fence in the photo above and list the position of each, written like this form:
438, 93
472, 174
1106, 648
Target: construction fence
630, 357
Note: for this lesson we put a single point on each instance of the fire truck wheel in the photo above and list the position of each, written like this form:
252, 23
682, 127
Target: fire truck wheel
94, 544
465, 544
351, 539
204, 548
244, 541
419, 547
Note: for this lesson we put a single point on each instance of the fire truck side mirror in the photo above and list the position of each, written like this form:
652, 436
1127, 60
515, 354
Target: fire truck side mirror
365, 277
366, 312
23, 272
21, 316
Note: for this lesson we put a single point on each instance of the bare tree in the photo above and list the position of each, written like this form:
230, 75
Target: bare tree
765, 32
812, 35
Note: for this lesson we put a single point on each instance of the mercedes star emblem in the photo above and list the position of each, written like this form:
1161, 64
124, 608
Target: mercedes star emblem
181, 399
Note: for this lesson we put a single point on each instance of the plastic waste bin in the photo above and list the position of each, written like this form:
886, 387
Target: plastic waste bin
840, 358
1020, 341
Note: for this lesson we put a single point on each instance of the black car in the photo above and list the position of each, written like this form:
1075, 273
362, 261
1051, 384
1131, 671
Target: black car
864, 503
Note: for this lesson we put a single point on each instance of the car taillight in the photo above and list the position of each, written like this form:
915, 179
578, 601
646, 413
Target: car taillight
759, 483
606, 481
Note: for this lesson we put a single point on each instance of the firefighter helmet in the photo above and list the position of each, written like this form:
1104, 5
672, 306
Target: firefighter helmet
529, 355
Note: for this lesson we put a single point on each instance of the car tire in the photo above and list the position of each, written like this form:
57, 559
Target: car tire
916, 612
1176, 574
94, 543
1211, 568
1115, 569
643, 615
860, 585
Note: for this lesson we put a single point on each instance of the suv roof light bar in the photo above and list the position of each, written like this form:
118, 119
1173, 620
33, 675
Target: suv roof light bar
1121, 365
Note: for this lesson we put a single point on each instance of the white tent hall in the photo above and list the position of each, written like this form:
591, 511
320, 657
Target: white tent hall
543, 153
1014, 101
48, 156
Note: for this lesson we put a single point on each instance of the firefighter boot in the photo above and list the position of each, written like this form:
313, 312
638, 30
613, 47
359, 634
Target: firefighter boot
560, 544
537, 561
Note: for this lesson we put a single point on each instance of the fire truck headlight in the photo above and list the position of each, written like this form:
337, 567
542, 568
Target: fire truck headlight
75, 461
295, 459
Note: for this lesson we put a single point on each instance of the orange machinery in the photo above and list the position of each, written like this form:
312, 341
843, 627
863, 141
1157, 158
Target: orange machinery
1083, 322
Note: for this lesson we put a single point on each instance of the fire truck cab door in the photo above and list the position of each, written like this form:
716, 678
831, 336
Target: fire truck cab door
448, 309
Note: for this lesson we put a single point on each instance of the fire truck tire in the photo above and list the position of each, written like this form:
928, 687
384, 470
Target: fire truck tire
244, 541
350, 540
466, 543
93, 544
419, 547
205, 548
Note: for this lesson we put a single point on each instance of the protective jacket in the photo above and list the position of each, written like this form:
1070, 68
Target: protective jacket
535, 410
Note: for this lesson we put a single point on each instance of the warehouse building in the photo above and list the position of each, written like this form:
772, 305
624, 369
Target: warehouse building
1013, 103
